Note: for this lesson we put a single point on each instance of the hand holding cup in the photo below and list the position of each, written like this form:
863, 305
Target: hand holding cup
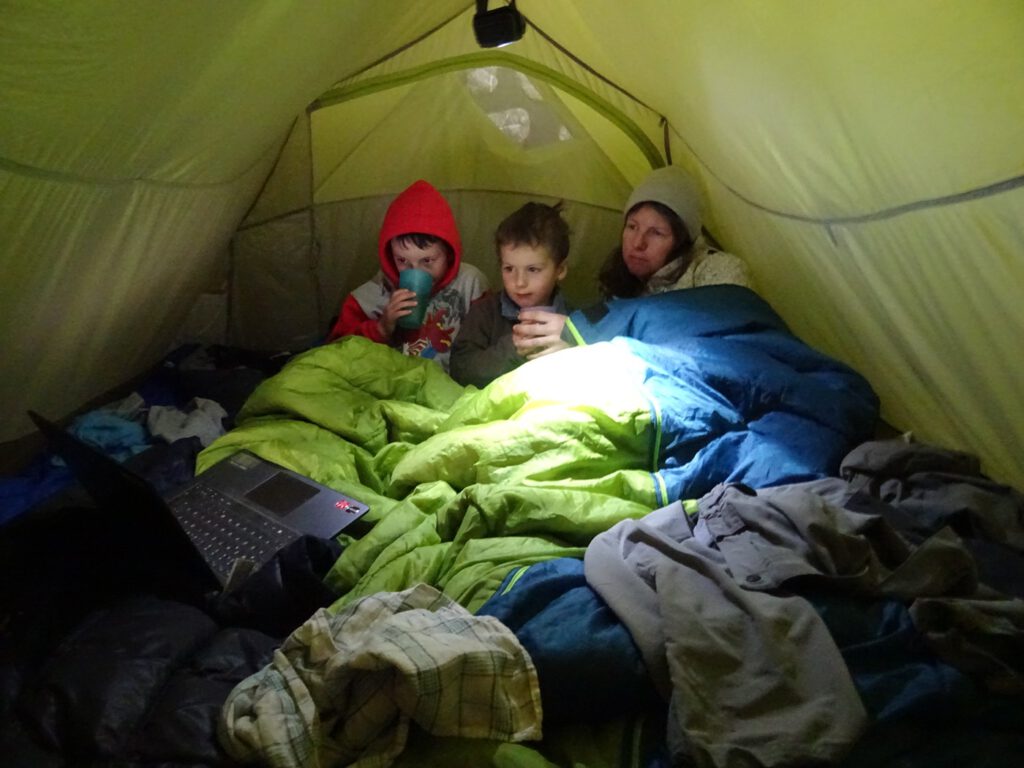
538, 332
401, 303
532, 313
420, 283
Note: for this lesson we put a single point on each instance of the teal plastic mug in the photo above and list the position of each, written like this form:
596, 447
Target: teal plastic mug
540, 308
419, 282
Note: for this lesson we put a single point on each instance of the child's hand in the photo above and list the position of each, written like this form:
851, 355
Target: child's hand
402, 303
538, 333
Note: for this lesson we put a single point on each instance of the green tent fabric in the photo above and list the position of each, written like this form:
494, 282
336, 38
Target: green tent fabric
201, 169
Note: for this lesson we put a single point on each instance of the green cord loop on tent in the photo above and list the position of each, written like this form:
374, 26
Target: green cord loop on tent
493, 58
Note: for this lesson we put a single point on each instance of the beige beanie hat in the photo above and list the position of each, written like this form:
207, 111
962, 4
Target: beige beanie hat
673, 187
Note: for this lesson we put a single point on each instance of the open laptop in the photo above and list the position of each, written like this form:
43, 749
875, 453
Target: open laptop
234, 517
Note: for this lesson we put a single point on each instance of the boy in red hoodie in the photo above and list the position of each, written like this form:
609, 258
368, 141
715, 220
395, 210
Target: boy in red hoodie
418, 232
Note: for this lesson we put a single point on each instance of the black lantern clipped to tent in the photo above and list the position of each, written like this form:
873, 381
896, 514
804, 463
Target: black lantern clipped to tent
497, 27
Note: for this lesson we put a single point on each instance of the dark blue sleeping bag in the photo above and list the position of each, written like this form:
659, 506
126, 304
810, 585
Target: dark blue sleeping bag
738, 396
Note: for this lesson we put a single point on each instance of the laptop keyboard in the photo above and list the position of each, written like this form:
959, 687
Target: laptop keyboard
225, 530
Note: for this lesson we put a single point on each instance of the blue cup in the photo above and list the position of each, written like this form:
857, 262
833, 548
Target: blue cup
419, 282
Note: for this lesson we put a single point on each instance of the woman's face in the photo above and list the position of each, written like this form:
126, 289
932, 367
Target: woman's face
647, 242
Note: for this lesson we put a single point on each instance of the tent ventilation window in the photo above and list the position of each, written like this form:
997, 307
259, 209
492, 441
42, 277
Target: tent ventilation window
517, 106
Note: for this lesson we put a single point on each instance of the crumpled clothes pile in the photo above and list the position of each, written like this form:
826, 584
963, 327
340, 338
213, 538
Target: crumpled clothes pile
343, 689
201, 418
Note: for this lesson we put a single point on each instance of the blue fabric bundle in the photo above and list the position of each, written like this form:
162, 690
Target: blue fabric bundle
740, 398
589, 667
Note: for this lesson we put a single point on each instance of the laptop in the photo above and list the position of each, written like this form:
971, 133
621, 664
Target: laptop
228, 521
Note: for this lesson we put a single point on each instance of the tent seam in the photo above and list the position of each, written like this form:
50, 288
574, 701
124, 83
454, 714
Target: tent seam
47, 174
604, 79
465, 61
977, 193
313, 206
403, 47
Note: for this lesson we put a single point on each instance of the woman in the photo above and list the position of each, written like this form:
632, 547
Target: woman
661, 250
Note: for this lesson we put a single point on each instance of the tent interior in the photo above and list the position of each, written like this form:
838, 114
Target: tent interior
222, 169
216, 173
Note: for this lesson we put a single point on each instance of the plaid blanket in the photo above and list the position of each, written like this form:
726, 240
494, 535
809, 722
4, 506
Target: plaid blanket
343, 688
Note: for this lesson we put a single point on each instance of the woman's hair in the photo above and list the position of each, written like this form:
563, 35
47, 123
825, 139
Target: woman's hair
615, 280
538, 226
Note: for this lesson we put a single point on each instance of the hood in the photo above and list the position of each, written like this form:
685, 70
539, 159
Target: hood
420, 208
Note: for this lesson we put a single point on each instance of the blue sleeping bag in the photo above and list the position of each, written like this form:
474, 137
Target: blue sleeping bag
739, 398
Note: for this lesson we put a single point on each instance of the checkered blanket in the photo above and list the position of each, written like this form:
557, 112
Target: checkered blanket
343, 688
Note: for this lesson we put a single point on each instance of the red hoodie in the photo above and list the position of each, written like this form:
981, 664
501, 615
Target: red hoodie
418, 209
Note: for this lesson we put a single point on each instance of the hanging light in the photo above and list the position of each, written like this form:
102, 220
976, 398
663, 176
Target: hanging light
498, 27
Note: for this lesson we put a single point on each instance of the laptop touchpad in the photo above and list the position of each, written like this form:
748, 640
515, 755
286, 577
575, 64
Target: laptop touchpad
281, 493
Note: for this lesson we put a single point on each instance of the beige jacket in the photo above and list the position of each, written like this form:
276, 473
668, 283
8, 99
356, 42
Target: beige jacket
707, 267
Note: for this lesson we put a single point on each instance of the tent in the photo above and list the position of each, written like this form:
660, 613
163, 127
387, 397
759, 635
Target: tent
217, 170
